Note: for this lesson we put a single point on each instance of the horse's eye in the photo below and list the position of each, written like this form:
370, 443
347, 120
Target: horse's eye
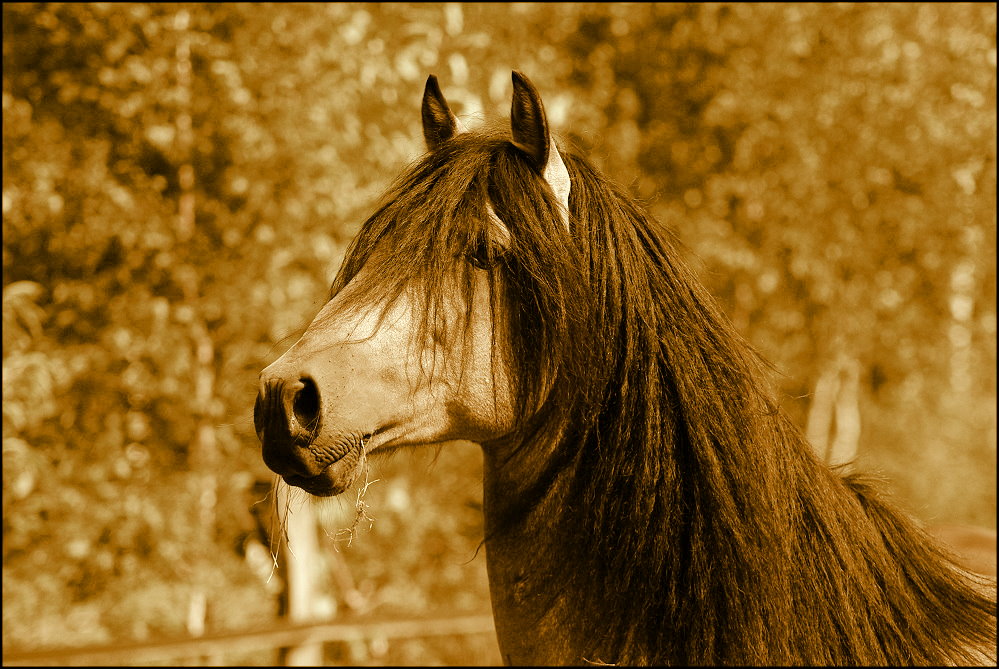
484, 255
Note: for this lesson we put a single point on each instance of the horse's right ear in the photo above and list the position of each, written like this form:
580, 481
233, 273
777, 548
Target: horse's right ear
439, 123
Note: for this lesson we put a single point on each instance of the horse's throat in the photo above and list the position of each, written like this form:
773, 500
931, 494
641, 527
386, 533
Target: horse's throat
531, 610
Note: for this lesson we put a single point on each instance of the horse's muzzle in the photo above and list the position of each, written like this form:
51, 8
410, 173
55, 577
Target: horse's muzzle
288, 418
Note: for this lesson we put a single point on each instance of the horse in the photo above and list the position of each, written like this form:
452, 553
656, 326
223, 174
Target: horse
646, 500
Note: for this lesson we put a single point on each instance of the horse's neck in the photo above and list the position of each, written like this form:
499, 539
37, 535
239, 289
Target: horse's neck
529, 628
538, 618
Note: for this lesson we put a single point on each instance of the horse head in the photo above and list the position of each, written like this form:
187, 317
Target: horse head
373, 371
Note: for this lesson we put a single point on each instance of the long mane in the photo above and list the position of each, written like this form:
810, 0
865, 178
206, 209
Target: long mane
699, 523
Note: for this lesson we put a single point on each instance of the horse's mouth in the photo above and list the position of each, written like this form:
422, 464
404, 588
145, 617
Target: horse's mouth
337, 477
319, 486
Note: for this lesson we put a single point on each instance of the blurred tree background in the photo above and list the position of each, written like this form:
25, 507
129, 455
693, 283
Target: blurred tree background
180, 182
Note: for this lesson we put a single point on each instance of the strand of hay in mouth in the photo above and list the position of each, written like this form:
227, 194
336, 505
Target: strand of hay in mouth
360, 509
283, 496
280, 494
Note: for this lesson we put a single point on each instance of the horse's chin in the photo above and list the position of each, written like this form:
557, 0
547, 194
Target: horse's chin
333, 480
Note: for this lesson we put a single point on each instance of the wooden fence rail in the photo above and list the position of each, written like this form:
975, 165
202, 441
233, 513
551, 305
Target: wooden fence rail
279, 636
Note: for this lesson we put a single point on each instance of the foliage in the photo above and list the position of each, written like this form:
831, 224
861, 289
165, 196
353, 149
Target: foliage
831, 169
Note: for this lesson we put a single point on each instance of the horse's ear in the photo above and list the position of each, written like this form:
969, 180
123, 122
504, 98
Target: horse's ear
528, 123
529, 128
439, 123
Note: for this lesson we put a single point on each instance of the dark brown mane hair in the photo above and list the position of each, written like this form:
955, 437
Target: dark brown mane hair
697, 516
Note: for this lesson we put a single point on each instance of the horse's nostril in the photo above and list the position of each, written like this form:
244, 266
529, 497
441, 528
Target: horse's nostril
306, 405
287, 416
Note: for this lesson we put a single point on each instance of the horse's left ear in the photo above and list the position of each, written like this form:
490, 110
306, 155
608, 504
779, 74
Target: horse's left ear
439, 122
530, 132
528, 122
